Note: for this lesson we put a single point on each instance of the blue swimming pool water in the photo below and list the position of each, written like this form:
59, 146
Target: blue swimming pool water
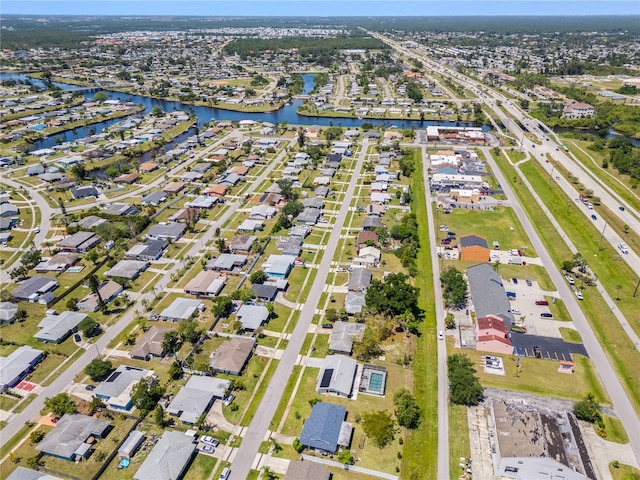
376, 381
39, 126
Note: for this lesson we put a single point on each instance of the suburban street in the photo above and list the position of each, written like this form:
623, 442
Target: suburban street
67, 376
257, 430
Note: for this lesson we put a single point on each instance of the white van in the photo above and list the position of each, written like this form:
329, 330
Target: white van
225, 474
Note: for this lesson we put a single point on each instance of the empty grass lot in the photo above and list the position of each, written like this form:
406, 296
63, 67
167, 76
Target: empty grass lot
458, 438
570, 335
614, 429
623, 472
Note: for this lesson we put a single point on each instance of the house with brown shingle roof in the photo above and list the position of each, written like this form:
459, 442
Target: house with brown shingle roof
232, 355
173, 187
127, 178
150, 344
147, 167
216, 190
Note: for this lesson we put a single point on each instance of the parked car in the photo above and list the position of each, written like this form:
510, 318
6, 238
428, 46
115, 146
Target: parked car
91, 388
206, 448
37, 230
542, 302
579, 295
515, 311
514, 280
227, 401
327, 325
511, 294
529, 282
593, 217
570, 279
451, 234
207, 439
621, 208
546, 315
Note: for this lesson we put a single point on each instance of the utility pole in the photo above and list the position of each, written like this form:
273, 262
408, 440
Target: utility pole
550, 175
635, 292
601, 237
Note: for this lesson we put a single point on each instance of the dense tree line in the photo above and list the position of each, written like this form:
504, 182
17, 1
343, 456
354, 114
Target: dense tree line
455, 288
306, 46
464, 386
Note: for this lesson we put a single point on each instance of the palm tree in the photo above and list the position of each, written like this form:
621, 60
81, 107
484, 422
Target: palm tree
94, 286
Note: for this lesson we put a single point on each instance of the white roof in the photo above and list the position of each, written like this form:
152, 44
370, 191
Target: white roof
196, 397
18, 362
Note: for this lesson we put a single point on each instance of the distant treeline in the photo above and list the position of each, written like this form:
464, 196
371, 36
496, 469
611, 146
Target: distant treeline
305, 45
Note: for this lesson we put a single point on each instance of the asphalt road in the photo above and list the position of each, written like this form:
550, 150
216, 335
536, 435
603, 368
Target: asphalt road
66, 376
257, 430
443, 380
609, 378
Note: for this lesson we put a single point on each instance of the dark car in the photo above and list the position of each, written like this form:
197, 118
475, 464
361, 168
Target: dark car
593, 217
451, 234
542, 302
529, 282
77, 337
514, 280
327, 325
91, 388
621, 208
445, 241
546, 315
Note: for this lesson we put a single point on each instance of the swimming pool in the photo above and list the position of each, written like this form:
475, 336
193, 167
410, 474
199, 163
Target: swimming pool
39, 126
77, 269
376, 382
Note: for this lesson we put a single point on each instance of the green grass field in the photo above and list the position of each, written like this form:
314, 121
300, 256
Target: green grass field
623, 472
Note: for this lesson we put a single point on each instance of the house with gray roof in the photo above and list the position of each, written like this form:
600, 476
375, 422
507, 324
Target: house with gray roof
290, 246
170, 231
108, 291
79, 242
354, 302
120, 209
337, 375
116, 389
242, 243
298, 469
196, 397
536, 468
91, 221
371, 223
68, 439
131, 444
15, 366
250, 225
252, 316
206, 283
128, 269
321, 192
342, 336
8, 312
154, 198
202, 201
264, 292
229, 261
230, 180
313, 202
488, 294
22, 473
232, 355
169, 458
84, 192
36, 289
325, 428
8, 210
150, 250
359, 280
33, 170
56, 328
149, 344
262, 212
181, 309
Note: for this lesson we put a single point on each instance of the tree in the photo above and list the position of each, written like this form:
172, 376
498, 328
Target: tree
146, 394
94, 285
379, 426
171, 342
31, 258
297, 446
407, 409
93, 256
286, 189
392, 296
100, 96
293, 208
223, 306
157, 111
60, 404
89, 327
450, 321
79, 171
331, 315
588, 409
175, 371
455, 288
189, 331
158, 416
345, 457
368, 346
98, 369
465, 388
259, 277
36, 436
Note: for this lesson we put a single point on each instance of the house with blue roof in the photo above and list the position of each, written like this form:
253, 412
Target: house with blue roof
325, 429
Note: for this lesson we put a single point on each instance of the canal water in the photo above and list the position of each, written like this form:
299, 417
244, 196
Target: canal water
205, 115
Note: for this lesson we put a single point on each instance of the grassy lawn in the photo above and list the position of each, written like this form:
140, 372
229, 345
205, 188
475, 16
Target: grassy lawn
320, 347
558, 309
614, 429
541, 377
535, 273
420, 451
570, 335
494, 225
44, 369
605, 325
7, 402
25, 402
623, 472
458, 441
257, 397
250, 377
201, 467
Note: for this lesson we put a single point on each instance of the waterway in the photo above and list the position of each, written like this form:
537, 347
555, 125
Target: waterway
205, 115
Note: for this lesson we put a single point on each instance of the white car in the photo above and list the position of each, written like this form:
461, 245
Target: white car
515, 311
623, 248
570, 279
37, 230
579, 295
440, 335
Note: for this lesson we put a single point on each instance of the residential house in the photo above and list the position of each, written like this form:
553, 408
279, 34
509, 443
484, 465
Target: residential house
154, 198
206, 283
147, 167
252, 316
367, 238
22, 473
58, 263
172, 188
149, 251
108, 291
91, 221
17, 365
325, 429
264, 292
242, 243
291, 246
182, 309
116, 389
127, 269
309, 216
278, 266
299, 469
127, 178
474, 248
8, 312
83, 192
359, 280
170, 231
262, 212
371, 223
131, 444
36, 289
354, 302
189, 215
68, 440
343, 335
8, 210
337, 375
169, 458
250, 225
121, 209
369, 256
149, 344
228, 262
232, 355
80, 242
196, 398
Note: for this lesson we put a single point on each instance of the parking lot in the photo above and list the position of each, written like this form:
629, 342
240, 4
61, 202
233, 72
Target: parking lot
548, 348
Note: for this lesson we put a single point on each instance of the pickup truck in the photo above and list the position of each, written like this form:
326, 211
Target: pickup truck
511, 294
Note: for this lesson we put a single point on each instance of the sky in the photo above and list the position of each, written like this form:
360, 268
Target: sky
320, 7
